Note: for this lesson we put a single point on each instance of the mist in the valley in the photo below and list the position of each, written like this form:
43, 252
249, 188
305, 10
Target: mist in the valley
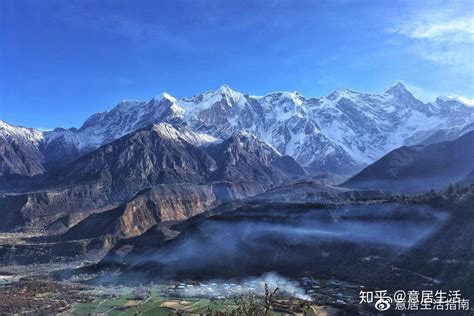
252, 242
245, 286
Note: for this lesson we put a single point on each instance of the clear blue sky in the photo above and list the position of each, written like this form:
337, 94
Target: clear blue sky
61, 61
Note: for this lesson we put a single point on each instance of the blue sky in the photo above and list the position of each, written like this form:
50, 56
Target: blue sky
61, 61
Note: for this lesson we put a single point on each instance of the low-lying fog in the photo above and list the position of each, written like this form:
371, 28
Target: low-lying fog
292, 241
246, 286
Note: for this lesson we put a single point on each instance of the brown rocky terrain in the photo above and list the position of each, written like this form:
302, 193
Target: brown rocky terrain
156, 155
160, 204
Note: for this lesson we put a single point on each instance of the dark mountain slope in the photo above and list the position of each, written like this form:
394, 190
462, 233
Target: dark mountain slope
448, 255
154, 155
419, 168
244, 157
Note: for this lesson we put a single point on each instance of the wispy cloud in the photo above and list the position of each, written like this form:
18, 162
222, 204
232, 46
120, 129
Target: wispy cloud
466, 101
444, 36
428, 95
458, 29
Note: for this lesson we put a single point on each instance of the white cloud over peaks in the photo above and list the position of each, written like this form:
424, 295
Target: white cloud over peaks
444, 36
466, 101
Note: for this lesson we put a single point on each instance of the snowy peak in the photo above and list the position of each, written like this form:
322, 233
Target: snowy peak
163, 97
125, 105
341, 132
403, 100
295, 98
226, 93
121, 108
213, 106
398, 88
225, 89
457, 98
401, 94
12, 131
168, 97
124, 118
348, 94
167, 105
169, 131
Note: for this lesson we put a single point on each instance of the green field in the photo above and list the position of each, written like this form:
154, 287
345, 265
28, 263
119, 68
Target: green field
123, 301
151, 306
111, 306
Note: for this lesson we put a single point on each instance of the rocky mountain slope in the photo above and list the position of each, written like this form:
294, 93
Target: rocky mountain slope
415, 168
339, 133
20, 151
154, 206
154, 155
246, 158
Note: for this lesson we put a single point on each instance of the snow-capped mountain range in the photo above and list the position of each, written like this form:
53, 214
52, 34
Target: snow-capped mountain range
339, 133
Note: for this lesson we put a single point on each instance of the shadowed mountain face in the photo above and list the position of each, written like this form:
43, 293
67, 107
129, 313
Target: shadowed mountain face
448, 254
245, 157
419, 168
158, 154
154, 155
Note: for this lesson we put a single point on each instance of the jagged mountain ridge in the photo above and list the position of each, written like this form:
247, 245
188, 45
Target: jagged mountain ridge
162, 153
340, 133
256, 160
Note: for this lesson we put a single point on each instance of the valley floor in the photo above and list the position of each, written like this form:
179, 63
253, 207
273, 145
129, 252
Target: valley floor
44, 296
330, 275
